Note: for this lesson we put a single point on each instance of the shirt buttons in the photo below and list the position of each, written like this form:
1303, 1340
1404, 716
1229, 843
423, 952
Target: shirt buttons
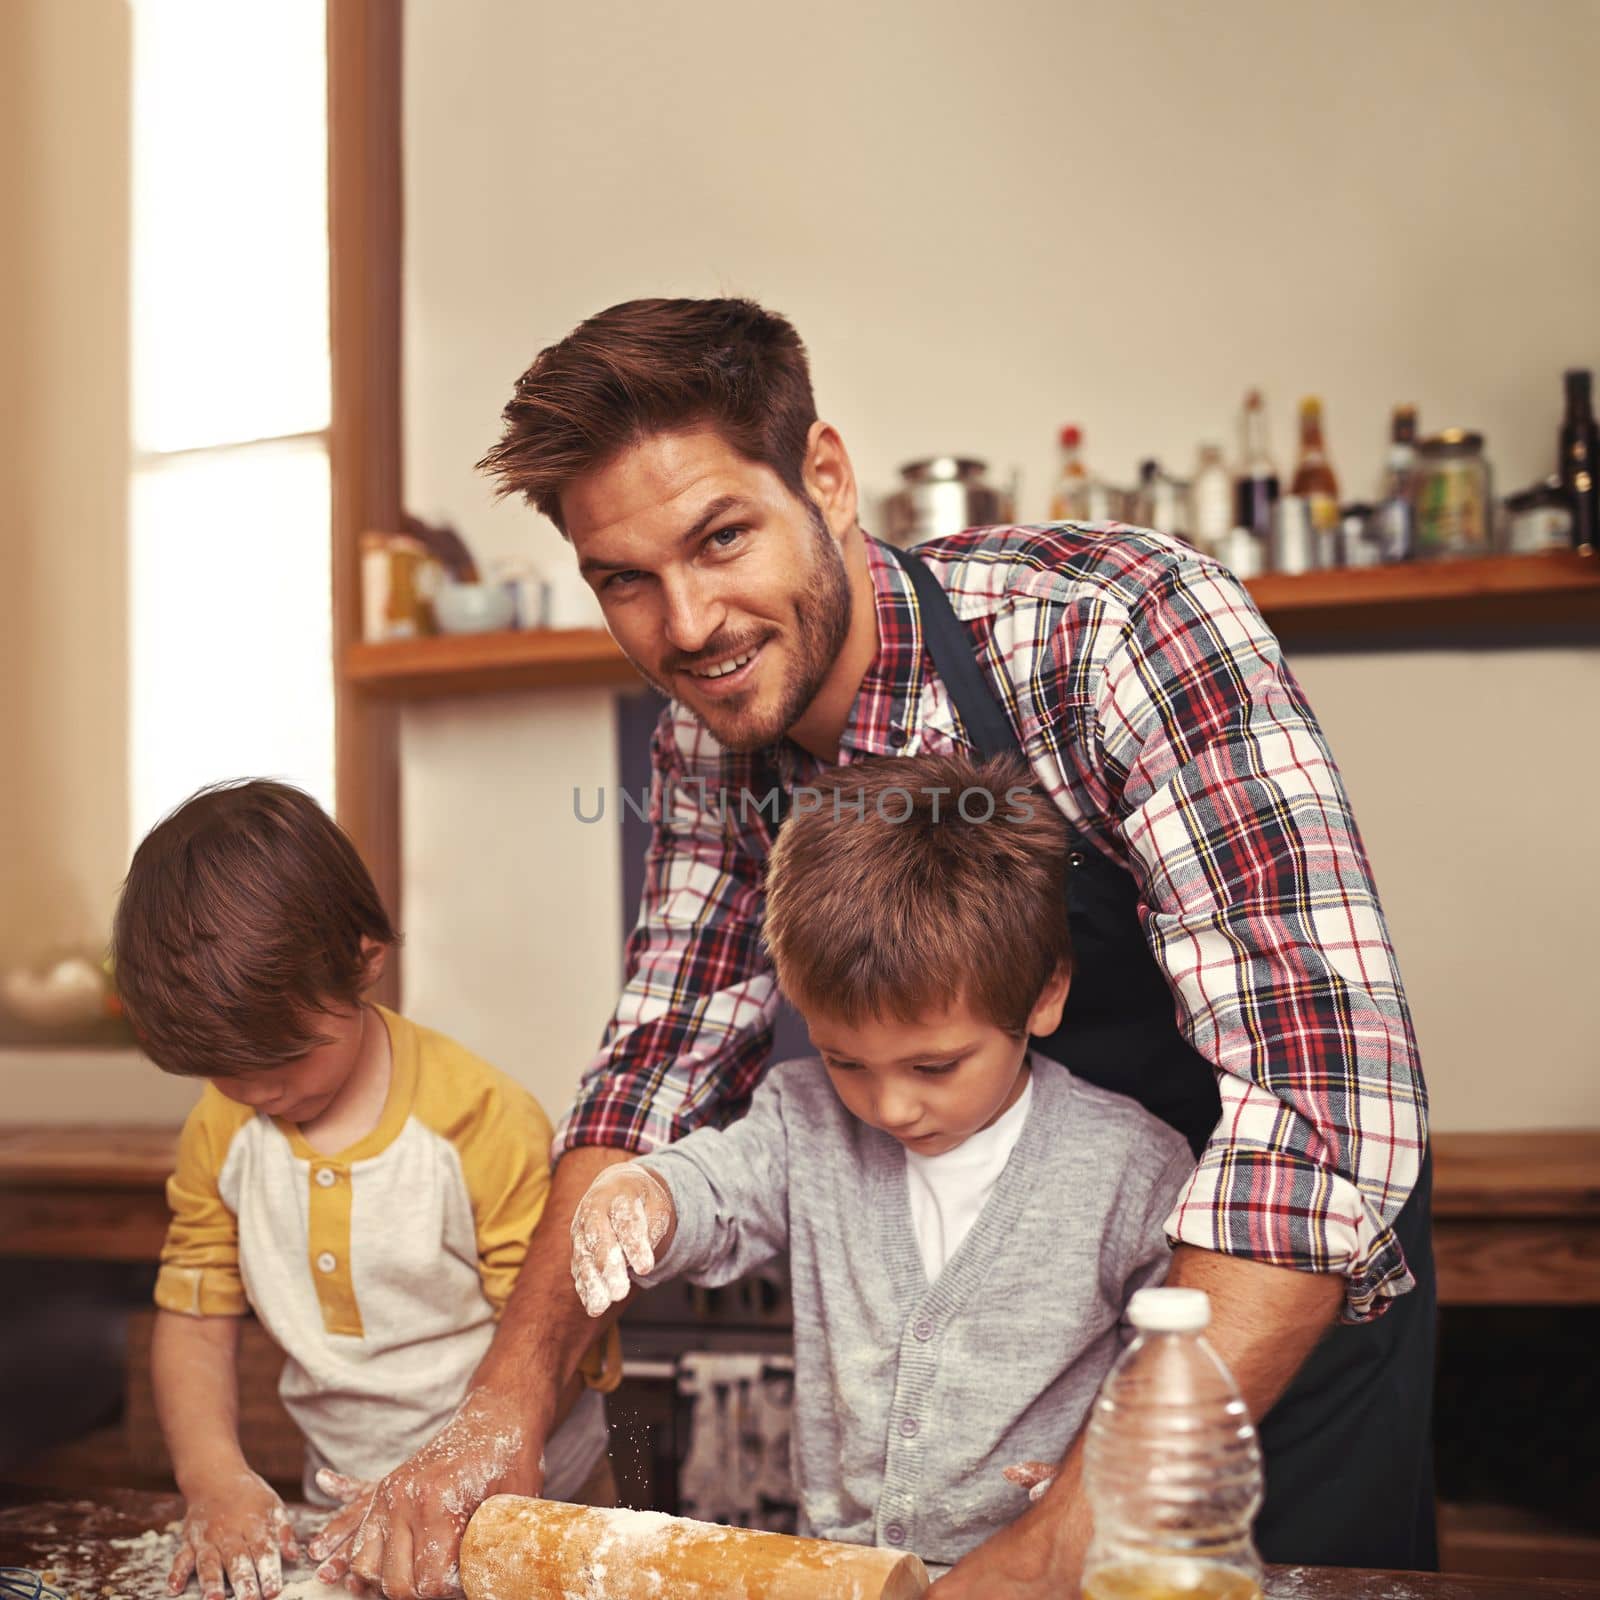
1076, 858
908, 1427
922, 1329
327, 1177
327, 1261
894, 1533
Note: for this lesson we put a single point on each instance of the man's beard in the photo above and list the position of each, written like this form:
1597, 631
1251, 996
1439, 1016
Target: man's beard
822, 613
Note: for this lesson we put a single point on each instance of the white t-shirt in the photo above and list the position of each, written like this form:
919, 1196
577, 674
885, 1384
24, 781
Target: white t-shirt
948, 1191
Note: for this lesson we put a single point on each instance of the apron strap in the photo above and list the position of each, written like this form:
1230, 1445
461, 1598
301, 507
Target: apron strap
986, 721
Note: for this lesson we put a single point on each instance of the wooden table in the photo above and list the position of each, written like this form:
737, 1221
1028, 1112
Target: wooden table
100, 1548
1516, 1222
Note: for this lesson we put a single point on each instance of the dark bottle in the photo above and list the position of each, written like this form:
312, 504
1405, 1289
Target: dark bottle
1580, 462
1256, 489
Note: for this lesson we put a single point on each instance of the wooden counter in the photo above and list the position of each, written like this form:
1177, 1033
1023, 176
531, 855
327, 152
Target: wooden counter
1516, 1218
102, 1547
94, 1193
1516, 1215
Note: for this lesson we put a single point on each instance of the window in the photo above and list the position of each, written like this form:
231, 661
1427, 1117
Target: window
231, 671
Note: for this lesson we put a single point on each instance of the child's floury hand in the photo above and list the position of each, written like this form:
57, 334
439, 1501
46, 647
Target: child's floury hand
235, 1528
623, 1216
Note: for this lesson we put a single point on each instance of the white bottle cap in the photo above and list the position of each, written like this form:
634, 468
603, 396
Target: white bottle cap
1169, 1310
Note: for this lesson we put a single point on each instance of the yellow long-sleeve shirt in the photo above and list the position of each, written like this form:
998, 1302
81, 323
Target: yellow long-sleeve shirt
380, 1270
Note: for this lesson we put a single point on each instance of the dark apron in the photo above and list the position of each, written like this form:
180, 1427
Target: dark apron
1349, 1468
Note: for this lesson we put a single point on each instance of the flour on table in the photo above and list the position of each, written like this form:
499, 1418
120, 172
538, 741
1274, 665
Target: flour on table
312, 1588
142, 1562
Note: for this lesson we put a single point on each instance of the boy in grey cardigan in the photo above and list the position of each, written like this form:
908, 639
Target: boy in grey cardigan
965, 1222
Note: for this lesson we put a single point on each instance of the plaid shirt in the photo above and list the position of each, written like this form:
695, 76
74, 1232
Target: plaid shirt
1156, 710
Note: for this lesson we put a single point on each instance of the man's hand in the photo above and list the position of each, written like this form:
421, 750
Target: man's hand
1265, 1321
328, 1546
408, 1540
625, 1214
1040, 1555
235, 1532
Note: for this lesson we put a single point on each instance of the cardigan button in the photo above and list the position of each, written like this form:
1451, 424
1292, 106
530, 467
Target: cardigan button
326, 1262
894, 1533
1077, 858
922, 1329
909, 1427
327, 1177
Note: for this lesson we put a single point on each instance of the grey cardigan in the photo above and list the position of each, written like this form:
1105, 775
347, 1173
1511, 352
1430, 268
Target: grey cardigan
911, 1397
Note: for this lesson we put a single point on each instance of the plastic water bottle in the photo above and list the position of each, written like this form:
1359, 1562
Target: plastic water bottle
1172, 1465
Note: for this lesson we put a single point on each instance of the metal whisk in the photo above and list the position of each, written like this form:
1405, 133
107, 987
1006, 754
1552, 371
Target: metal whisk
22, 1583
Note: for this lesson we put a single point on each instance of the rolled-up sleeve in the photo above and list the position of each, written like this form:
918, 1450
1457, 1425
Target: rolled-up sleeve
692, 1030
1263, 913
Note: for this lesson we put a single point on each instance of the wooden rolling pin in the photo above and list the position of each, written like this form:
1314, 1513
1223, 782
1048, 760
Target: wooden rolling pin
521, 1549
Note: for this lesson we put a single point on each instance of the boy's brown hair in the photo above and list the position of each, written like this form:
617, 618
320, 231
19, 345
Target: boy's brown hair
652, 366
241, 920
918, 881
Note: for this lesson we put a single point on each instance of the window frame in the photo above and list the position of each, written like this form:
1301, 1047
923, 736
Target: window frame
365, 241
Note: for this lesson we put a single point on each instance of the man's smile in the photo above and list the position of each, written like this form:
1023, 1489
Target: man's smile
727, 674
721, 669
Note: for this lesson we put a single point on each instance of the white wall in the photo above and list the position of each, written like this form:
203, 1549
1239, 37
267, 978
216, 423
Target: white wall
985, 224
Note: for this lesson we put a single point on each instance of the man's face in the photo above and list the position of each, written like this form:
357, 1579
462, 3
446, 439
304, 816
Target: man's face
725, 590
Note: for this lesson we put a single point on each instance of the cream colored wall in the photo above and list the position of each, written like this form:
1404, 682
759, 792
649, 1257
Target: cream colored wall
64, 210
74, 1087
63, 469
510, 902
1122, 215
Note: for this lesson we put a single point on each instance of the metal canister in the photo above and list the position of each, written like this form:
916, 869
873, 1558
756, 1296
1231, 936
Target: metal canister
1454, 496
1361, 538
942, 495
1294, 544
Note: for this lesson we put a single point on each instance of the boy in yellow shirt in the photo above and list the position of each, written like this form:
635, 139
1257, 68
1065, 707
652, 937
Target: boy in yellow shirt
365, 1186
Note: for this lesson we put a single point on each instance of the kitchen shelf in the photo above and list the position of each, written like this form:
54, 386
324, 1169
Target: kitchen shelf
1424, 599
483, 663
1466, 597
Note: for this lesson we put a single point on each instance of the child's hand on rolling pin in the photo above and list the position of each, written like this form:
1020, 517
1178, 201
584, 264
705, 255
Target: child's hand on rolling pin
624, 1215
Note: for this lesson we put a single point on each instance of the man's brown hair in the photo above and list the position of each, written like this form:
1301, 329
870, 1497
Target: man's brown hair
653, 366
241, 920
918, 881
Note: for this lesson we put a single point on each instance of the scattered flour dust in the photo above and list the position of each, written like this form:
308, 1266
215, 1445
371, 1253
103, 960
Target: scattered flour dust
1295, 1583
312, 1588
142, 1562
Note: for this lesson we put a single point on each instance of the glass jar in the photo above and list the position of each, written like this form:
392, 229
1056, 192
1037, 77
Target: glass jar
1454, 496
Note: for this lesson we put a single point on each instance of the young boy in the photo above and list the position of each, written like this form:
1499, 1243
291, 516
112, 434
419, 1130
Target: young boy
965, 1223
362, 1184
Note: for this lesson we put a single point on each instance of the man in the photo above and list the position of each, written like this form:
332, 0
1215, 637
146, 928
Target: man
1233, 969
